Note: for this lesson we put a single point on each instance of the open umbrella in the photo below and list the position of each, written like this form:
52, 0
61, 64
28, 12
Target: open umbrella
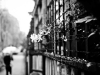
10, 49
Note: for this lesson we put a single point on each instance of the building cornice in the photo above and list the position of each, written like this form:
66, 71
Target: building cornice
35, 8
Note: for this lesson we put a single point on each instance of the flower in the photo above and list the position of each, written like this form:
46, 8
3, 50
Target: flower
33, 37
46, 29
36, 37
39, 37
89, 64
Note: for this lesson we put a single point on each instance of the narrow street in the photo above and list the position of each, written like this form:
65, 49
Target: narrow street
18, 65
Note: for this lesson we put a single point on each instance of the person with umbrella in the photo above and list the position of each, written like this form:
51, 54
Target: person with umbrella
7, 61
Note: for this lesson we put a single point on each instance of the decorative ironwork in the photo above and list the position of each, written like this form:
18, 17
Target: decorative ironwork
73, 26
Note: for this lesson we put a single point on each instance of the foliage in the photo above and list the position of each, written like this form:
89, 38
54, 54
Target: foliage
10, 33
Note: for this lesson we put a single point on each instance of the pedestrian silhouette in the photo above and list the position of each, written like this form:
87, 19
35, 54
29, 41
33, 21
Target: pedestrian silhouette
7, 62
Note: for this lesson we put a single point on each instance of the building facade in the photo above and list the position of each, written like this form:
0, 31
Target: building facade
70, 39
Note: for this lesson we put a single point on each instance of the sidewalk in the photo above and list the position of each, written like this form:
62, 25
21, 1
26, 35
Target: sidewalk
18, 66
3, 72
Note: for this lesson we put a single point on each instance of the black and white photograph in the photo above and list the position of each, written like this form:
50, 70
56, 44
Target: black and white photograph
49, 37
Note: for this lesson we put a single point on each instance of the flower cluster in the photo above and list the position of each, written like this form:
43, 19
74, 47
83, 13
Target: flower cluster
44, 31
36, 37
73, 59
83, 61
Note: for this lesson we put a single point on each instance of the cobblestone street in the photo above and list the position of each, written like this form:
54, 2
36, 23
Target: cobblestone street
18, 65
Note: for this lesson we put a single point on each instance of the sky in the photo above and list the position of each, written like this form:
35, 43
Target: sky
20, 9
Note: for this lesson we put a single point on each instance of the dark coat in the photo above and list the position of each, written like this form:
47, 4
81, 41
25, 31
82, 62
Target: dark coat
7, 59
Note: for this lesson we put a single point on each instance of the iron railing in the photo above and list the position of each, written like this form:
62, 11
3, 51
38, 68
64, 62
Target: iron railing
67, 37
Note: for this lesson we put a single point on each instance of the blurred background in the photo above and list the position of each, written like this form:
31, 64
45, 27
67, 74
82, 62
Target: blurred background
14, 25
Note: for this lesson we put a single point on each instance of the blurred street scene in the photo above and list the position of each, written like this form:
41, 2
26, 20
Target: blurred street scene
14, 27
50, 37
18, 65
